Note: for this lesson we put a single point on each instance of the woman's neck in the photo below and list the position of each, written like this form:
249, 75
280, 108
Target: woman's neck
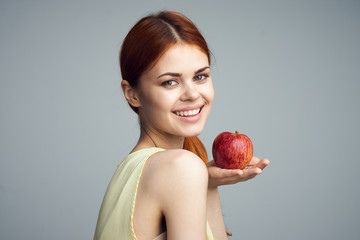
150, 138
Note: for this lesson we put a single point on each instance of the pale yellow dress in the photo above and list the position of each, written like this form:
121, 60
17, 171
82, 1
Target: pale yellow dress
116, 215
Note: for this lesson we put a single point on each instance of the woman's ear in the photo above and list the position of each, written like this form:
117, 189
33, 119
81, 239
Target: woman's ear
130, 94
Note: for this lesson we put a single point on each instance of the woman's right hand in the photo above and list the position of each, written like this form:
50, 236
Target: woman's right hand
219, 176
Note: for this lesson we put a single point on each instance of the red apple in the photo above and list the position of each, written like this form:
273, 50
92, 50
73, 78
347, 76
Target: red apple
232, 150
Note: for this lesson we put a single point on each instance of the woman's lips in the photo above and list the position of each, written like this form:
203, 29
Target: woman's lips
189, 111
189, 115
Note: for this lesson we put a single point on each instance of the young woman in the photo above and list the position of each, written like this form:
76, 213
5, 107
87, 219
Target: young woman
165, 188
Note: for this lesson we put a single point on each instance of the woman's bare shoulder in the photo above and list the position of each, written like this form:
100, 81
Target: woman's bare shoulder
177, 160
174, 167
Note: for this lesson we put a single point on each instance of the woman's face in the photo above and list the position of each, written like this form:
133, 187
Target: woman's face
176, 95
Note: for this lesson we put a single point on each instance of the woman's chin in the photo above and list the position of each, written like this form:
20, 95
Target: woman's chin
192, 132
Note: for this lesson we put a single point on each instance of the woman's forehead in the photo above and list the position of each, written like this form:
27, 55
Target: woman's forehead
181, 57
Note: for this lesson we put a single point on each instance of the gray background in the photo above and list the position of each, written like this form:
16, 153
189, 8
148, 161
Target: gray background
286, 73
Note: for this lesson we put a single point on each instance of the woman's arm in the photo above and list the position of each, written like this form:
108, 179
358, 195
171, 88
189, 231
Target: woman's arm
214, 215
218, 177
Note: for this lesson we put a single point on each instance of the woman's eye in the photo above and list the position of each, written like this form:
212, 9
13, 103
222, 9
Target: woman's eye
169, 83
200, 77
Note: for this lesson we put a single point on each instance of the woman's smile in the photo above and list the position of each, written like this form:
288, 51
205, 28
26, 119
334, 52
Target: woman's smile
188, 113
192, 115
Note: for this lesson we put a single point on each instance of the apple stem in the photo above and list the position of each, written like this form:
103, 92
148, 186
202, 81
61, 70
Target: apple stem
236, 132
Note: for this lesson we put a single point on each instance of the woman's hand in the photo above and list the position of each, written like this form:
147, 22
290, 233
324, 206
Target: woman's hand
219, 176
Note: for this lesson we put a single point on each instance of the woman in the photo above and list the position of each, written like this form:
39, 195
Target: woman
163, 189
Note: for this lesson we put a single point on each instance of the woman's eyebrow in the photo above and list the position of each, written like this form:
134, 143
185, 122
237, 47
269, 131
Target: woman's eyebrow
202, 69
170, 74
179, 75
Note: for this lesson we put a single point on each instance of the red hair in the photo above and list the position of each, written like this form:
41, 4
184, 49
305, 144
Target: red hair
148, 40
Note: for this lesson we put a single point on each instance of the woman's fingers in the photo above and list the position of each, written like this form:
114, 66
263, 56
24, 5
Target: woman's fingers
254, 160
263, 163
223, 173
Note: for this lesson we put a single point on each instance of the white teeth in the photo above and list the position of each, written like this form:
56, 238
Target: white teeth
188, 113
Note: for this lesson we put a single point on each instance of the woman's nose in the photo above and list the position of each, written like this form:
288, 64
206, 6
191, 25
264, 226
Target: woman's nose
190, 92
